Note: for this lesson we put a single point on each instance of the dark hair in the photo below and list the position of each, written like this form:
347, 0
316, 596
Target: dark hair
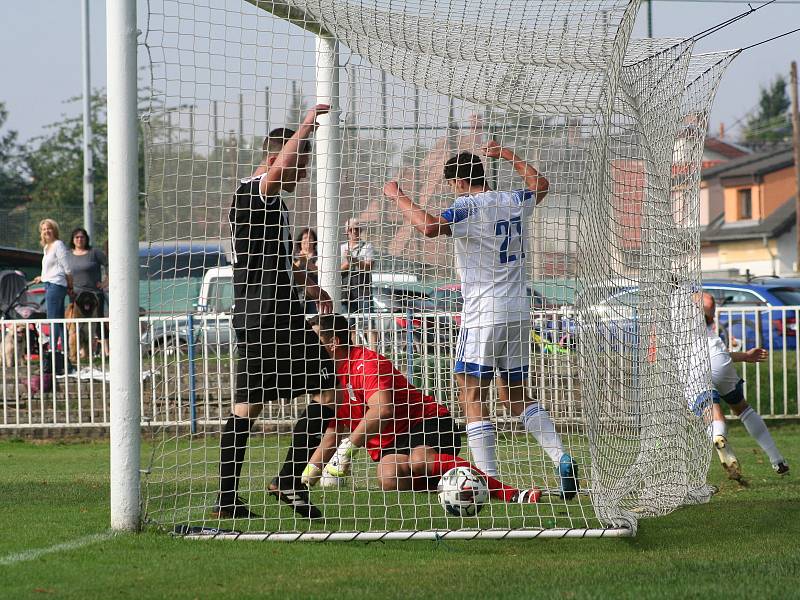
331, 326
277, 138
76, 231
466, 166
298, 240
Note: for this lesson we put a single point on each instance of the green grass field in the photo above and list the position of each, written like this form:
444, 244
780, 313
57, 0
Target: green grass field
54, 543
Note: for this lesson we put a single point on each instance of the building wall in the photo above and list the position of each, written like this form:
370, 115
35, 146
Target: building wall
712, 201
777, 257
786, 247
778, 188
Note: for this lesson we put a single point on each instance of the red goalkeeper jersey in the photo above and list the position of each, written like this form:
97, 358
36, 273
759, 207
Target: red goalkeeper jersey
366, 372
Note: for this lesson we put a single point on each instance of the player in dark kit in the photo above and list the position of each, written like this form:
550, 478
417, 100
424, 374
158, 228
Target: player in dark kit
280, 356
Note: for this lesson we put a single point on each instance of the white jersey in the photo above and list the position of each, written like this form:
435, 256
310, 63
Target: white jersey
489, 234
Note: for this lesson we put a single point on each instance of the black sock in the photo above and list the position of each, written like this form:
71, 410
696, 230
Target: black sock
232, 449
306, 436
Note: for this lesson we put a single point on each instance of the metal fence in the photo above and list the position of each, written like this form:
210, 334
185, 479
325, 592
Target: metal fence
187, 366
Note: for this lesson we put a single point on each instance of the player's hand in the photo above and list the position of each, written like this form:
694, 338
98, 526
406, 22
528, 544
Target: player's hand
314, 113
392, 190
755, 355
328, 481
311, 475
492, 150
324, 303
339, 464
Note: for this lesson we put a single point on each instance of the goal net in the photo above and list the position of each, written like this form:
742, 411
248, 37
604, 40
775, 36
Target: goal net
609, 425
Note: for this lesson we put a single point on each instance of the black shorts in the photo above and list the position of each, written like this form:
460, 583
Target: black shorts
281, 362
440, 433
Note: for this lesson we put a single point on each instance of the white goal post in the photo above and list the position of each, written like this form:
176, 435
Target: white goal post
610, 256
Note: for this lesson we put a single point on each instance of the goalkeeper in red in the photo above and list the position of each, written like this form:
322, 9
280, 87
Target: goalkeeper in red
412, 437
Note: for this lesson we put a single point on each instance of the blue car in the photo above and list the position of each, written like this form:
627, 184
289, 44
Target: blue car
762, 312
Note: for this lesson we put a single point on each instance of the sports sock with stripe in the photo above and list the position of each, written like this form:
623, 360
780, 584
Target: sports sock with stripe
538, 423
483, 446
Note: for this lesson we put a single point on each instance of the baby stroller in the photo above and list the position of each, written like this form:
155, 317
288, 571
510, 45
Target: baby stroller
16, 305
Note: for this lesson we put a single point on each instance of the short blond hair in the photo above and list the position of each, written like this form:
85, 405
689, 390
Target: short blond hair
54, 225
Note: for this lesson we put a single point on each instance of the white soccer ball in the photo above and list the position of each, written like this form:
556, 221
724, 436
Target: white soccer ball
463, 492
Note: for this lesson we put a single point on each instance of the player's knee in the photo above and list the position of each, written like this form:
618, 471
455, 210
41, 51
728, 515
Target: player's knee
735, 398
420, 460
250, 411
390, 470
739, 407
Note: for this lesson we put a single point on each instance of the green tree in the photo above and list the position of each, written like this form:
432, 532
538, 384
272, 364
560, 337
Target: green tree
771, 121
54, 162
13, 184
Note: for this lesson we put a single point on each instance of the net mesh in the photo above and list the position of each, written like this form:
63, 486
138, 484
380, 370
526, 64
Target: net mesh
615, 124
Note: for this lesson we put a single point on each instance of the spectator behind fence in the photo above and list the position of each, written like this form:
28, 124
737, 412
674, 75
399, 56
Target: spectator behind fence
305, 259
87, 277
56, 276
357, 258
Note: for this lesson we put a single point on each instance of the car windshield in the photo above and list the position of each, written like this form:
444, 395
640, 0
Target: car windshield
174, 264
789, 296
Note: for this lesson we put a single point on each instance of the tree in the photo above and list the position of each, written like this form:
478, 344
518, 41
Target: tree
54, 162
771, 122
14, 187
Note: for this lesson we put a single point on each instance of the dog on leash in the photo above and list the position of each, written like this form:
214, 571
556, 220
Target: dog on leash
86, 305
14, 343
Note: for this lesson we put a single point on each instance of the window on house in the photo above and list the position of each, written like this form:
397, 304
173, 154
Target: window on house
745, 203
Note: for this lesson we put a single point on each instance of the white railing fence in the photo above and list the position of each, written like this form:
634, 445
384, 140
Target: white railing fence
187, 366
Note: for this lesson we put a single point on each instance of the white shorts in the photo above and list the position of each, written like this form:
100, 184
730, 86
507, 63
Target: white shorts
723, 374
503, 348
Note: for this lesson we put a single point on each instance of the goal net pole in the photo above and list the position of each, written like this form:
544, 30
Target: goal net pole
123, 242
328, 147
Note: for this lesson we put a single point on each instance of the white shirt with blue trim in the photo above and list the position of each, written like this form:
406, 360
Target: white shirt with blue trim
489, 234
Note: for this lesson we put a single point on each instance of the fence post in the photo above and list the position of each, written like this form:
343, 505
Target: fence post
192, 383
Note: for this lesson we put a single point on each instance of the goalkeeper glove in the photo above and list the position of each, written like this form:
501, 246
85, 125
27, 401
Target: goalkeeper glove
339, 464
311, 475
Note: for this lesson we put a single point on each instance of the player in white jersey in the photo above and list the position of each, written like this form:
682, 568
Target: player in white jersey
728, 387
488, 229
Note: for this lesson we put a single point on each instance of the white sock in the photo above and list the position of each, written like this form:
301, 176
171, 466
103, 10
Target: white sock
756, 427
538, 423
719, 428
483, 446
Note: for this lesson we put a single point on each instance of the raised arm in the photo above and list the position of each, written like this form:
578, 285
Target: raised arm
312, 289
427, 224
534, 181
286, 163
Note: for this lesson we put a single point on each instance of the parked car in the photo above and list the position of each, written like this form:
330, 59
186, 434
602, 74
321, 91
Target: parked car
745, 310
751, 313
171, 273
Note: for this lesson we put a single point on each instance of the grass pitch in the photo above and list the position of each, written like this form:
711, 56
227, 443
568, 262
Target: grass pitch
55, 543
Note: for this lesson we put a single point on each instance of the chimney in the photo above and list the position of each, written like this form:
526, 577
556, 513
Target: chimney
721, 130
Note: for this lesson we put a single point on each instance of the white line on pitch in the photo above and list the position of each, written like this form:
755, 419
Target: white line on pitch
11, 559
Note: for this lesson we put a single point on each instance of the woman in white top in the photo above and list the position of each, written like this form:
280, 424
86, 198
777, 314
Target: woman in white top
56, 276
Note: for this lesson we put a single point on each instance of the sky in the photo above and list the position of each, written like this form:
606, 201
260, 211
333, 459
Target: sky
41, 46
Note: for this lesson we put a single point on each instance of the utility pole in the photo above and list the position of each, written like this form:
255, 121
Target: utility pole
796, 144
88, 170
649, 18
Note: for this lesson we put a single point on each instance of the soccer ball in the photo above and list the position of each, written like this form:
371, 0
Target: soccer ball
463, 492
